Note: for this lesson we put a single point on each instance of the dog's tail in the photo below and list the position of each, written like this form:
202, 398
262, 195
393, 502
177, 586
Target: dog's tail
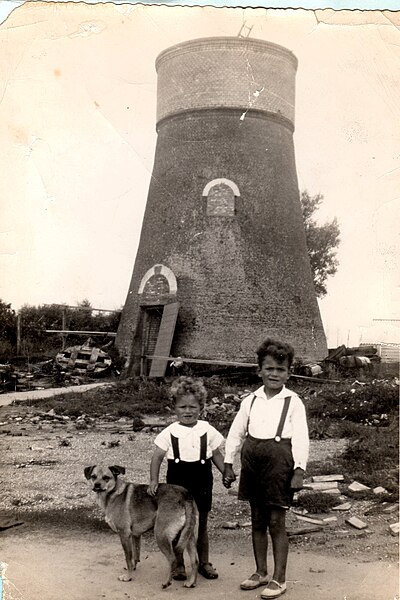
190, 527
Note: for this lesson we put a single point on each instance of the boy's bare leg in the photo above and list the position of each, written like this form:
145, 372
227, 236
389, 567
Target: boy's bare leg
280, 543
260, 538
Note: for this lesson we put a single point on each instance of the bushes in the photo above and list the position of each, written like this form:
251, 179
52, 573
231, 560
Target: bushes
374, 457
369, 403
316, 502
128, 398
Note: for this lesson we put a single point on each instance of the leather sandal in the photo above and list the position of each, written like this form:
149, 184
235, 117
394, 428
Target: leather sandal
208, 571
179, 573
273, 590
254, 581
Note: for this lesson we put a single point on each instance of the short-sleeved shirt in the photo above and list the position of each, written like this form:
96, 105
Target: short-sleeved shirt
189, 440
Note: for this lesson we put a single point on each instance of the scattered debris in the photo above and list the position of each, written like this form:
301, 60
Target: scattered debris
343, 507
358, 487
64, 442
330, 519
310, 520
320, 486
379, 490
321, 478
230, 525
84, 360
394, 528
299, 511
246, 524
390, 508
304, 530
356, 522
113, 444
6, 522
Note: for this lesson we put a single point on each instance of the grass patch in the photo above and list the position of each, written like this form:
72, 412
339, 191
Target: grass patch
373, 458
128, 398
316, 502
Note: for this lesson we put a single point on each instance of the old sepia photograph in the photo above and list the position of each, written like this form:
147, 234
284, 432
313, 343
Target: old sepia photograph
199, 302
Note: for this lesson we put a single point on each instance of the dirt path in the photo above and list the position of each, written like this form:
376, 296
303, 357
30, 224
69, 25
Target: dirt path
64, 550
50, 564
7, 399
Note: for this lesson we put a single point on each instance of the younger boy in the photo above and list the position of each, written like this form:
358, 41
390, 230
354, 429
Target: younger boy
271, 428
191, 445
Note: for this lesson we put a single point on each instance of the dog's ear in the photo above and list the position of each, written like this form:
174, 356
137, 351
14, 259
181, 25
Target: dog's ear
116, 470
88, 471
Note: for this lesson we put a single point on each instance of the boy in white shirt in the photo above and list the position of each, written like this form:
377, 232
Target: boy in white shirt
191, 446
271, 430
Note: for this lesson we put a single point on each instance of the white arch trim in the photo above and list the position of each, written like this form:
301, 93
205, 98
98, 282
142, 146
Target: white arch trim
227, 182
168, 274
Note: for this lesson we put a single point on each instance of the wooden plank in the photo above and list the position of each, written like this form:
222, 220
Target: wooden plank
231, 363
164, 340
107, 333
319, 478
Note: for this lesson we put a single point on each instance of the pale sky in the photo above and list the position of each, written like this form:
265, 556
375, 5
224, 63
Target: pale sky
78, 93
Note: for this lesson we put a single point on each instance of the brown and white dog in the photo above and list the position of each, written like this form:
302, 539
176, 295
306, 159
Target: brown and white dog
130, 511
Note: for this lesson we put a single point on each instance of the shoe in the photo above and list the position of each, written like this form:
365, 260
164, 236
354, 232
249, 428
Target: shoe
274, 589
179, 574
208, 571
254, 581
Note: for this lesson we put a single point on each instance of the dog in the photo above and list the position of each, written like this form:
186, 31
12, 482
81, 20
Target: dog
130, 511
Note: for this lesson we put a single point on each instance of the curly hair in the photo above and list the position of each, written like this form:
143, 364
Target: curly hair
280, 351
183, 386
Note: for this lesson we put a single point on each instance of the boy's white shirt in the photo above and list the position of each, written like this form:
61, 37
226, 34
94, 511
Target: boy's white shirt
265, 415
189, 440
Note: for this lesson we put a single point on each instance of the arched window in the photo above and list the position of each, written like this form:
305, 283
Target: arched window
221, 194
157, 285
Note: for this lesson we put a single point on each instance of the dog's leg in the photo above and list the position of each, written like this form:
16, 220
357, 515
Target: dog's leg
164, 540
127, 544
194, 561
136, 550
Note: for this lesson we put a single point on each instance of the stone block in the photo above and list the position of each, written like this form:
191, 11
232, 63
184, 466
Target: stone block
343, 507
356, 522
358, 487
320, 486
320, 478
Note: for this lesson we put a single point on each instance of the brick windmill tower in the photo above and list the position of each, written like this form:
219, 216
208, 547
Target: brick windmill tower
222, 259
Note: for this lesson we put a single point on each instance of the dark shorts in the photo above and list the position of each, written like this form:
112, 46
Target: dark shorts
266, 472
197, 478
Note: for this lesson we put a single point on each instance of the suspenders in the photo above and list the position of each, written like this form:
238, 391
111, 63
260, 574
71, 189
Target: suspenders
278, 435
285, 409
203, 448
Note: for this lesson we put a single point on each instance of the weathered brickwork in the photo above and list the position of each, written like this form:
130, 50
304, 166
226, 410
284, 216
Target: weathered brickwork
241, 277
226, 72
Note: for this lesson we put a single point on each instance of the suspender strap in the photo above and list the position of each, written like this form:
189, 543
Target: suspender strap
175, 448
203, 448
248, 418
285, 409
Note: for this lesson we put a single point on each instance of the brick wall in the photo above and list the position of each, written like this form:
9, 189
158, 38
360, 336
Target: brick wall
239, 278
226, 72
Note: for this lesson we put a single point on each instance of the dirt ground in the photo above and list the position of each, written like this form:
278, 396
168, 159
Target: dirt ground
63, 549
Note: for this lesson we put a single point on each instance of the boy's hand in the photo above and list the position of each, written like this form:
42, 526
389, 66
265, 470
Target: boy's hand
296, 483
228, 476
152, 489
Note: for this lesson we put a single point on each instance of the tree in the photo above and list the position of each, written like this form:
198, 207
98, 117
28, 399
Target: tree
322, 241
8, 329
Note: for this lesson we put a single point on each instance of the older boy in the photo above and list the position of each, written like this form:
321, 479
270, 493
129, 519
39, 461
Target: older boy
271, 428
